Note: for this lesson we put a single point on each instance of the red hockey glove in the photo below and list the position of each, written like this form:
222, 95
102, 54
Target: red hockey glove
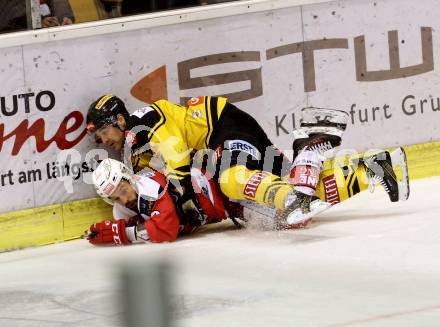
108, 232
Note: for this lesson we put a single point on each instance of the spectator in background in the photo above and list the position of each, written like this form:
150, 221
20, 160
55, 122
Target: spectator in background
12, 15
56, 13
133, 7
112, 8
53, 13
117, 8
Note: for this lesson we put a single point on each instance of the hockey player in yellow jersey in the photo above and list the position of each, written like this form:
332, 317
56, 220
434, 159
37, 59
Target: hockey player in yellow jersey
231, 147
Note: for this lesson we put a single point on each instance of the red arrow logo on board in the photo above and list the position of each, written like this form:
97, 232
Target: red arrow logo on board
152, 87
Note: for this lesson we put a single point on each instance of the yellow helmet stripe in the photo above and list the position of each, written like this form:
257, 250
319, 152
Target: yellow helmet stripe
103, 100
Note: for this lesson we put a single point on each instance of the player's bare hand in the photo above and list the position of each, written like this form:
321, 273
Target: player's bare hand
50, 21
66, 21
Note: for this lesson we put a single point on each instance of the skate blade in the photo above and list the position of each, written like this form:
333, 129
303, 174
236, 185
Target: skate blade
298, 217
319, 117
259, 209
400, 167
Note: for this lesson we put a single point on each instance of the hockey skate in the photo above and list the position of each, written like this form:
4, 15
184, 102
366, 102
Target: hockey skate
390, 170
300, 208
320, 130
322, 118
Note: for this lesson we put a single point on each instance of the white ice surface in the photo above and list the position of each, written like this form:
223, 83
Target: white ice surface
367, 262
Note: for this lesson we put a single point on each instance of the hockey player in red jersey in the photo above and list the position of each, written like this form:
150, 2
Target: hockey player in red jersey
145, 209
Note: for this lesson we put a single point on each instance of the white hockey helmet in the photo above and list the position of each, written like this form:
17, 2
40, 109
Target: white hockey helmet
107, 176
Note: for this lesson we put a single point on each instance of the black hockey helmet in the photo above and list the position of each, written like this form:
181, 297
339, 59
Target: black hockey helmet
104, 111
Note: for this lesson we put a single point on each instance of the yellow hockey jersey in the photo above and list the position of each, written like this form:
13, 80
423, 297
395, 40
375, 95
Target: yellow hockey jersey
173, 132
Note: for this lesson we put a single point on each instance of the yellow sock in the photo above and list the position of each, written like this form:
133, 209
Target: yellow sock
263, 187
